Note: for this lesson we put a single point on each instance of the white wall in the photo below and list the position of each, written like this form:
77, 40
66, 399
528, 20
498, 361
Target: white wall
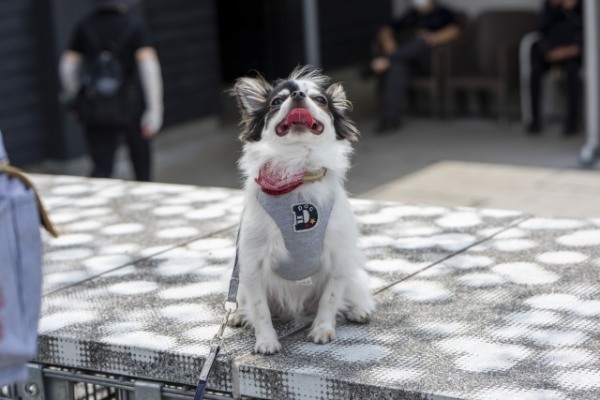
474, 7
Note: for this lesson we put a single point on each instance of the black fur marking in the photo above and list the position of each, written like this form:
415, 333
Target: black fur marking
253, 132
291, 86
263, 116
344, 127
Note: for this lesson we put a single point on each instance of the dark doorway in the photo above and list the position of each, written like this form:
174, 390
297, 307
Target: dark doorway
261, 35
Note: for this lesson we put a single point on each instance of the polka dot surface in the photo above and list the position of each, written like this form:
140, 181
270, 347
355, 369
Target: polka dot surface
526, 273
582, 238
168, 211
123, 229
423, 291
71, 240
583, 379
551, 224
569, 357
393, 265
142, 339
132, 288
191, 291
520, 394
561, 257
177, 233
69, 254
205, 213
359, 353
483, 356
513, 245
501, 305
481, 280
459, 220
465, 262
101, 264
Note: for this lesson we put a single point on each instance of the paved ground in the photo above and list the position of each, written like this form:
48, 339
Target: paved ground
205, 153
540, 191
501, 167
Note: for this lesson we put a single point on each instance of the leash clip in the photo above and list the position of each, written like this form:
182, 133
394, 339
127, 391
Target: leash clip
230, 306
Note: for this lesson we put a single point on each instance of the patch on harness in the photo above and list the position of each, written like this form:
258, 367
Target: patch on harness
306, 217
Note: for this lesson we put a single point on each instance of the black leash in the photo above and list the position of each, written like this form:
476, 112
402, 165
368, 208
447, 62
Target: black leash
230, 306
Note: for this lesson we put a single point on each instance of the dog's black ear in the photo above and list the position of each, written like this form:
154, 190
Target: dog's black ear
252, 95
339, 106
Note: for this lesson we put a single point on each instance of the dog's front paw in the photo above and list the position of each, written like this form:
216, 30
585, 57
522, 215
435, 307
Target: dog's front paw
267, 347
322, 334
358, 315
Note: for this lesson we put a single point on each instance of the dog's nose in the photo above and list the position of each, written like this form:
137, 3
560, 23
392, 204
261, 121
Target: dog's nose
298, 95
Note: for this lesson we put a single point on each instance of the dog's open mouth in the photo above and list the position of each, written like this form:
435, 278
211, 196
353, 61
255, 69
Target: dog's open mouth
298, 118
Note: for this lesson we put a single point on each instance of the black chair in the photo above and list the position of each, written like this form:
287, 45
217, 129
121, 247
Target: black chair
485, 59
435, 83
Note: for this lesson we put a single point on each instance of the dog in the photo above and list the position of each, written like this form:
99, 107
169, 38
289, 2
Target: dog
297, 246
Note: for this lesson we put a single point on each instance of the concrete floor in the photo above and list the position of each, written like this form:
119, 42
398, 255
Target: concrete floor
500, 166
540, 191
206, 153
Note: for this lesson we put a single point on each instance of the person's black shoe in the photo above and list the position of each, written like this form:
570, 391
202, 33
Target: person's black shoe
534, 128
388, 126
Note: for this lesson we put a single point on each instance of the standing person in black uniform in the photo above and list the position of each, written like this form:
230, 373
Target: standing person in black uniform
426, 25
561, 24
112, 75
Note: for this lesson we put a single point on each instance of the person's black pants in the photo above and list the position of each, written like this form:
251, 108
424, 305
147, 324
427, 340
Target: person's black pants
571, 68
412, 56
103, 144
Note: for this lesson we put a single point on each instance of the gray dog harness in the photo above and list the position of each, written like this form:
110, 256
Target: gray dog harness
302, 224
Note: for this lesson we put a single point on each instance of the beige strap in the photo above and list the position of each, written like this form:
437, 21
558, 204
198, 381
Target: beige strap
311, 176
18, 174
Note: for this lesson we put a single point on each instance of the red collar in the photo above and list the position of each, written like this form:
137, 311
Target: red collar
275, 183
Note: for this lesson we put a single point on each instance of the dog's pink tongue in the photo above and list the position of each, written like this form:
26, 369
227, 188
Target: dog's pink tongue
299, 116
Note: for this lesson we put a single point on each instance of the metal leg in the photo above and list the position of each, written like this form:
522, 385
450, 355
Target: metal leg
589, 151
525, 47
34, 388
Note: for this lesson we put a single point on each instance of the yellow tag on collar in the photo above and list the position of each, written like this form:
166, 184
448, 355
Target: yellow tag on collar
312, 176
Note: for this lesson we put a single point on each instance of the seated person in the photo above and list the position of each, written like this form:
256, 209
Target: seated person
562, 28
428, 24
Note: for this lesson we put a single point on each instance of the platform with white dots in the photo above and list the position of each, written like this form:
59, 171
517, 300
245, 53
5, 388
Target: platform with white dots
471, 303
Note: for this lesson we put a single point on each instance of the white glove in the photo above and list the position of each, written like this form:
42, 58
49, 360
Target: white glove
152, 120
151, 79
68, 70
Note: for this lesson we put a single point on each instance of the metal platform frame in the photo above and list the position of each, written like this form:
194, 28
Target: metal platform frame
57, 383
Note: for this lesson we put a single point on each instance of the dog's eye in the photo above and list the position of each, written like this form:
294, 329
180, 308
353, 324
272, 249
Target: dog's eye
277, 101
320, 100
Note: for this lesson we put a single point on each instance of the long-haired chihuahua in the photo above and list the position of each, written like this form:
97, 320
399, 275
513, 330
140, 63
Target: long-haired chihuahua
298, 252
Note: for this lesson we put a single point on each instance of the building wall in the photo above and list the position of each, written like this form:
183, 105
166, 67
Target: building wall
260, 35
347, 29
185, 36
35, 33
23, 116
273, 41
